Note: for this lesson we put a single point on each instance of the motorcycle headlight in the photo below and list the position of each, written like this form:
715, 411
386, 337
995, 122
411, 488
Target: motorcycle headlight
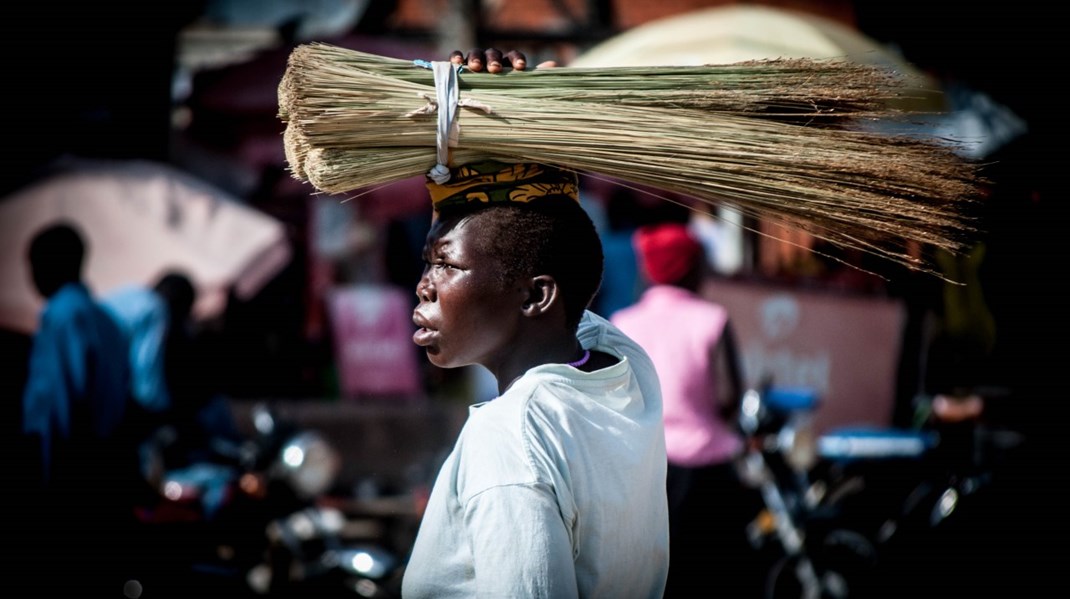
797, 442
367, 561
309, 463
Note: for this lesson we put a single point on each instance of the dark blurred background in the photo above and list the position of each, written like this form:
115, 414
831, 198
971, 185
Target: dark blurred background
192, 84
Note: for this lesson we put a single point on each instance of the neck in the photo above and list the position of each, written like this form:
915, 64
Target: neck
562, 351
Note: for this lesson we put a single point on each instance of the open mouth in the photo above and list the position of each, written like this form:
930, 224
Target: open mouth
424, 333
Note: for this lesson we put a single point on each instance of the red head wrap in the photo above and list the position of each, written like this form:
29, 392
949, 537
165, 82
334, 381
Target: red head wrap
666, 252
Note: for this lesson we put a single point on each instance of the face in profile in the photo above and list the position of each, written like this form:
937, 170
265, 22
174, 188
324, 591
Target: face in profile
465, 314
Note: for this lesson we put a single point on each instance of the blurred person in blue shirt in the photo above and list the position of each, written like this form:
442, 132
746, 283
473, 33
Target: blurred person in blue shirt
178, 406
75, 403
148, 316
77, 388
620, 281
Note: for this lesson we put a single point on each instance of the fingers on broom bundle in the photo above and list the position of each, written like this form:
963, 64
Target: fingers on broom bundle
774, 139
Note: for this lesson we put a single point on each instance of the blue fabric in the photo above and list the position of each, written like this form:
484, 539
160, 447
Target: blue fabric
870, 442
620, 281
77, 366
143, 315
213, 480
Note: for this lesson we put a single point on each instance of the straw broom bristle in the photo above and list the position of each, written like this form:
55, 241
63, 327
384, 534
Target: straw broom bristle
727, 133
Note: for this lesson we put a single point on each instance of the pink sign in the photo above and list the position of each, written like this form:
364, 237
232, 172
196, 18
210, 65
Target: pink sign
844, 347
373, 328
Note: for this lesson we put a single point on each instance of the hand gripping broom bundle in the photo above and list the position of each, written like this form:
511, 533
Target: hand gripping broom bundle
790, 141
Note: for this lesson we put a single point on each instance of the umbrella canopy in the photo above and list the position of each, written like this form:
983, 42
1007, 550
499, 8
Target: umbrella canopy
139, 219
740, 32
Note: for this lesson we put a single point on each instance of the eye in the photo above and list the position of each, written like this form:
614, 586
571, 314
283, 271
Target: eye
438, 264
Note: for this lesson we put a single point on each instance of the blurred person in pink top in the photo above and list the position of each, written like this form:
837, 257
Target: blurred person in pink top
690, 341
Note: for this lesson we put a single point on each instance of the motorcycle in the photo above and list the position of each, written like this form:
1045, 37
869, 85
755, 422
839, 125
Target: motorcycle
821, 554
927, 509
858, 510
776, 461
246, 519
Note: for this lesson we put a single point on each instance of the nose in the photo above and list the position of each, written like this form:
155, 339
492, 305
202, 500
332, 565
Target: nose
423, 290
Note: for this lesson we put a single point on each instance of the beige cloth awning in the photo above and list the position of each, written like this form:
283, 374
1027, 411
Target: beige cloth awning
740, 32
139, 218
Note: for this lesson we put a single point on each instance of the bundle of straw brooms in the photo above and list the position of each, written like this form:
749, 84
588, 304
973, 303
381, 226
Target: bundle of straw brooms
776, 139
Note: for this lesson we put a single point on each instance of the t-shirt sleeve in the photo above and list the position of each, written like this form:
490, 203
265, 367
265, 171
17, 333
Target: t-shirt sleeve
520, 543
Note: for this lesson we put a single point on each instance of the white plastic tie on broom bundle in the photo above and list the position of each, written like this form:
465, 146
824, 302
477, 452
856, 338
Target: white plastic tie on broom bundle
446, 94
432, 106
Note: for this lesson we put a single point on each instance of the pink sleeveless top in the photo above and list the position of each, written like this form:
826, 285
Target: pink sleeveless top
679, 330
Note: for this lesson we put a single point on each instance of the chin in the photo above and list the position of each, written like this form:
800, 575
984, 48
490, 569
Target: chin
437, 358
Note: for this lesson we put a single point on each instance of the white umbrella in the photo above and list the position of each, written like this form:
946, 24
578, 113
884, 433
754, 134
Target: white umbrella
735, 33
741, 32
139, 218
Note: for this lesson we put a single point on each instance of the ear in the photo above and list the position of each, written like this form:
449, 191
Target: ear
543, 295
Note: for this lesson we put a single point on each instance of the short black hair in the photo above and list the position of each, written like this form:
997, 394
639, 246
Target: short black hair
550, 235
178, 291
58, 250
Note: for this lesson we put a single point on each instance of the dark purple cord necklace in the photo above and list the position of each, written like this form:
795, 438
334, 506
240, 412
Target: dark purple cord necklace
581, 361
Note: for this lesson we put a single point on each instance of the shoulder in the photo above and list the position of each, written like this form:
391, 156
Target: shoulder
125, 293
538, 407
599, 332
73, 311
495, 447
676, 301
133, 300
528, 404
68, 304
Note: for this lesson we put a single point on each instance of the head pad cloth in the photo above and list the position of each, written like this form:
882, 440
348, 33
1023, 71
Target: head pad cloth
491, 181
666, 251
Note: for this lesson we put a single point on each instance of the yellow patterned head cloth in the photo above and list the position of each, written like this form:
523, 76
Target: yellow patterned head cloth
491, 181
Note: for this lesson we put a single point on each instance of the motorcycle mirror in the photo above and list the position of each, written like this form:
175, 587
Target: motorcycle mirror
750, 407
944, 506
263, 419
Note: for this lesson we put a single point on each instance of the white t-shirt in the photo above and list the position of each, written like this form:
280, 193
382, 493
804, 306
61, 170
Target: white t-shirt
556, 489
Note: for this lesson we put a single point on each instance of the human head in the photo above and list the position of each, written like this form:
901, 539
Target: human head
552, 236
504, 281
508, 242
178, 291
55, 255
534, 223
668, 253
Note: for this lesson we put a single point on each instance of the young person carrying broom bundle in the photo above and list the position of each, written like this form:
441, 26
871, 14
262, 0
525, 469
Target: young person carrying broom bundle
556, 488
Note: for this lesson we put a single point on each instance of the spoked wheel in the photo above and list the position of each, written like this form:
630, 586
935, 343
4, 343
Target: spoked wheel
794, 577
845, 567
